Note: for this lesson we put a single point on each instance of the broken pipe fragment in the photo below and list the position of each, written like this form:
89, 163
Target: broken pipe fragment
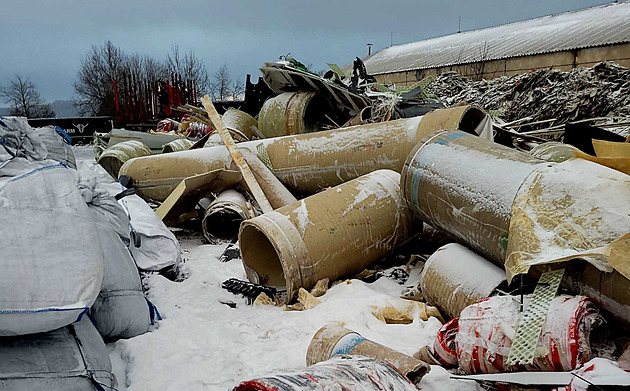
334, 339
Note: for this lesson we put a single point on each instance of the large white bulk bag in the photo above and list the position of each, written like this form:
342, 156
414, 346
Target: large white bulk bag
51, 266
73, 358
158, 248
58, 149
121, 309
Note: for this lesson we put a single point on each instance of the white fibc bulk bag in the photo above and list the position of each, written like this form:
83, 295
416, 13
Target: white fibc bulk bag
155, 247
121, 309
51, 263
72, 358
57, 146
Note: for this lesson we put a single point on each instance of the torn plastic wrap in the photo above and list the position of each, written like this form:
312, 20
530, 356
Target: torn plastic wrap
328, 235
486, 330
354, 373
553, 151
455, 277
560, 213
155, 246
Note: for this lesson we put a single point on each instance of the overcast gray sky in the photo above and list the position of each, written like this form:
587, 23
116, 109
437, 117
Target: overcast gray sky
47, 39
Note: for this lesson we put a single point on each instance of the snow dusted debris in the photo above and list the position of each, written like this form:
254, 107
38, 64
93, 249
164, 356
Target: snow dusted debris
600, 91
601, 372
203, 344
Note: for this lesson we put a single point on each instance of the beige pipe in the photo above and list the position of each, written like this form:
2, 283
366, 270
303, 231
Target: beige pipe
314, 161
114, 157
291, 113
331, 234
454, 277
238, 123
465, 186
182, 144
277, 195
307, 162
334, 339
224, 216
241, 122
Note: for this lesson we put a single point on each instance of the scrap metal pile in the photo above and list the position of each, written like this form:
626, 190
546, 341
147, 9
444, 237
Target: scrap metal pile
543, 94
533, 254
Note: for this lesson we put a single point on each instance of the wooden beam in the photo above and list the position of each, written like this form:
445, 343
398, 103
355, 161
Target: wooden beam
248, 176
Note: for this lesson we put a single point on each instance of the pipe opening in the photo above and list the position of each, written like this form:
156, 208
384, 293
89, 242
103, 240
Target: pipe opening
471, 119
221, 225
259, 254
314, 117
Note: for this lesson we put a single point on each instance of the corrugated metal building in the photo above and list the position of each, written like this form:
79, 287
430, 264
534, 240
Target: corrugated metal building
562, 41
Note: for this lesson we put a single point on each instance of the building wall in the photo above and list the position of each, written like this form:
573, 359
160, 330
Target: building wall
563, 61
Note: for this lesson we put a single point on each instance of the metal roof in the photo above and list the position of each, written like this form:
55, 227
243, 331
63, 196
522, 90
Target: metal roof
597, 26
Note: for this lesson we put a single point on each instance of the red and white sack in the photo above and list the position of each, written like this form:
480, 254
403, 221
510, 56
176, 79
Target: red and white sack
444, 348
486, 330
341, 372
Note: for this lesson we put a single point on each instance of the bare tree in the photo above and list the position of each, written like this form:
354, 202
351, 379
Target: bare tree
95, 81
24, 98
190, 67
477, 69
223, 87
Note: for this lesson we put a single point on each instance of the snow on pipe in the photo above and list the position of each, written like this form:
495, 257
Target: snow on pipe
314, 161
455, 277
331, 234
334, 339
224, 216
465, 186
307, 162
182, 144
338, 373
114, 157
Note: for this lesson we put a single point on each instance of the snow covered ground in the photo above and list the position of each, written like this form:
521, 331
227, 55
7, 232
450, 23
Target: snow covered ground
203, 344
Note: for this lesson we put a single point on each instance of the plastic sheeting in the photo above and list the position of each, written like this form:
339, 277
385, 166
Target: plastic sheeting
73, 358
560, 214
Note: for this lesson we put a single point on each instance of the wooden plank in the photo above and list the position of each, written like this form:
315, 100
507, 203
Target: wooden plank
248, 176
188, 192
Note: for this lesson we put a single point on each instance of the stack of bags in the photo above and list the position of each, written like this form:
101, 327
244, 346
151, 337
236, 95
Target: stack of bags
69, 278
